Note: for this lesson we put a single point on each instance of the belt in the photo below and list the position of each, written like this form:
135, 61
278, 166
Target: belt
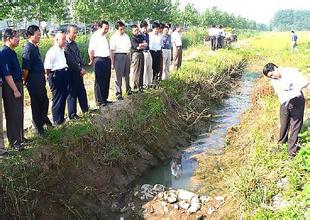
122, 53
166, 48
179, 46
156, 50
102, 57
63, 69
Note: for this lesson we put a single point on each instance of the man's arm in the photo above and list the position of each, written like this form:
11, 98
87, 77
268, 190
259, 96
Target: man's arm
10, 81
91, 54
72, 62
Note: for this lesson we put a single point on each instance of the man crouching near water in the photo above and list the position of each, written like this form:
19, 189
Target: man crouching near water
288, 84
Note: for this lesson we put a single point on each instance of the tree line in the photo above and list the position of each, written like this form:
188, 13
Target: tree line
285, 20
87, 11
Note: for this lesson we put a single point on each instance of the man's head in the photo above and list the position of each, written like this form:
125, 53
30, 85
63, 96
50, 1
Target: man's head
293, 32
135, 29
271, 71
165, 30
11, 37
72, 32
178, 28
34, 34
103, 26
155, 27
120, 27
60, 39
144, 26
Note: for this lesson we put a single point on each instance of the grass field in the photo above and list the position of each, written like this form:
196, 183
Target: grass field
253, 166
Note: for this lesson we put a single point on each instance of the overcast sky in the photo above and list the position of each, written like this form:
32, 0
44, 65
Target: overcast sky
258, 10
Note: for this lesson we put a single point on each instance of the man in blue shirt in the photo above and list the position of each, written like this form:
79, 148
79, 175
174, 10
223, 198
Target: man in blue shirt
167, 45
13, 99
293, 41
33, 72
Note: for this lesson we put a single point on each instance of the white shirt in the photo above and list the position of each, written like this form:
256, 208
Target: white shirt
212, 32
176, 39
120, 43
55, 58
289, 85
155, 41
99, 44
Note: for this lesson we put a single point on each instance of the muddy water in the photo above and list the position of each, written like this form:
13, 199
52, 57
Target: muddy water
227, 115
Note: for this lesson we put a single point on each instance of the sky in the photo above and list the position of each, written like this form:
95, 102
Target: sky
261, 11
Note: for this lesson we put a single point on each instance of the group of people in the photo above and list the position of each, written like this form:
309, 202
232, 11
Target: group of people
216, 35
149, 54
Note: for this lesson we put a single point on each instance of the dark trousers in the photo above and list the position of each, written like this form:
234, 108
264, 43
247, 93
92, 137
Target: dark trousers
76, 91
219, 42
138, 69
102, 67
14, 112
213, 42
58, 81
156, 57
39, 101
291, 120
122, 69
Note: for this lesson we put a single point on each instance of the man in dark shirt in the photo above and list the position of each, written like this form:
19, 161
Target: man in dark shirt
137, 47
13, 98
34, 79
76, 71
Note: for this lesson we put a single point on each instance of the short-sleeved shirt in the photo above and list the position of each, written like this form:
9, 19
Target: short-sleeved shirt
155, 41
99, 44
176, 39
167, 44
55, 58
147, 40
135, 41
32, 60
120, 43
9, 64
289, 85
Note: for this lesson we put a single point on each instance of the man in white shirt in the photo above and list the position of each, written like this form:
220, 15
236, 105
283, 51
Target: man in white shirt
120, 48
55, 66
288, 84
99, 56
177, 47
212, 34
155, 49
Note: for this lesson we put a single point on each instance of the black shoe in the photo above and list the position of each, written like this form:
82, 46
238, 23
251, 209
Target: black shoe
103, 104
108, 102
119, 98
48, 123
74, 117
18, 146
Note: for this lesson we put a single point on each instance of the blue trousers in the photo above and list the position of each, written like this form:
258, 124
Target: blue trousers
102, 67
76, 91
58, 81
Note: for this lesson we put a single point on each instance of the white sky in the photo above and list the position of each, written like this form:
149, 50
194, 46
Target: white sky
259, 10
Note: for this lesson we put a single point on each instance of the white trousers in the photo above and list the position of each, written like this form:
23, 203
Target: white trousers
166, 63
148, 70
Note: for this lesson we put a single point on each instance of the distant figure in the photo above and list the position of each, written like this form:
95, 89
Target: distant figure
219, 37
44, 29
176, 39
294, 41
212, 35
288, 84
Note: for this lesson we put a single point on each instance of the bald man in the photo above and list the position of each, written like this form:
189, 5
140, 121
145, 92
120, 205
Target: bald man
56, 69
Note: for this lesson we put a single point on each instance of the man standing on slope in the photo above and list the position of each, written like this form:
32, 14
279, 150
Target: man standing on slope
288, 84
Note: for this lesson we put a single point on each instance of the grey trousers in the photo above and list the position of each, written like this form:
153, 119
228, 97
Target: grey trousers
14, 112
291, 120
122, 69
138, 69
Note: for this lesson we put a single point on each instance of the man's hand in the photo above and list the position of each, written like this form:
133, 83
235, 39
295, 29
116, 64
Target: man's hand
83, 72
17, 94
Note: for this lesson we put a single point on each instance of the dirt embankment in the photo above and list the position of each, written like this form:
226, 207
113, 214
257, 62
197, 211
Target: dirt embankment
79, 169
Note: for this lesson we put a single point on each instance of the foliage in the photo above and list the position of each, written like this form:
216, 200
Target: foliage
289, 19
